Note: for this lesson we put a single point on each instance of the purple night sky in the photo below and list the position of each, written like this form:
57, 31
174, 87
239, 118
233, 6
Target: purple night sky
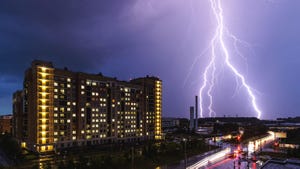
133, 38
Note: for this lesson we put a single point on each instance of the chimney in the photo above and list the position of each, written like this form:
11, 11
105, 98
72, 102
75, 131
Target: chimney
192, 118
196, 111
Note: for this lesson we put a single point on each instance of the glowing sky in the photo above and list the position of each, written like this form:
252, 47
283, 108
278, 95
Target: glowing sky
132, 38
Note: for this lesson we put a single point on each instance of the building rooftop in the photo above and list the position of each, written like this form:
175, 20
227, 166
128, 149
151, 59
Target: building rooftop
282, 164
8, 116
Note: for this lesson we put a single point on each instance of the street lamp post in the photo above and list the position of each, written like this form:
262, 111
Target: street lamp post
234, 164
132, 157
185, 158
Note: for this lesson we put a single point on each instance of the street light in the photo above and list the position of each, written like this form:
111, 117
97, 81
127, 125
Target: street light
132, 157
185, 158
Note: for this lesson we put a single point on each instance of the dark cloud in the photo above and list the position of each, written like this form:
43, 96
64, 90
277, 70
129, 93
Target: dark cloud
68, 33
58, 30
134, 38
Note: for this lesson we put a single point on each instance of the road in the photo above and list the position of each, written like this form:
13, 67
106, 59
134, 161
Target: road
190, 161
238, 161
232, 163
245, 161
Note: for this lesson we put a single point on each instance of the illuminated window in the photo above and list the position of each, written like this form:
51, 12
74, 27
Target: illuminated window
69, 80
82, 114
55, 84
82, 87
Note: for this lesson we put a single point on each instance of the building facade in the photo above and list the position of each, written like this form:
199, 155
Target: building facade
6, 124
63, 109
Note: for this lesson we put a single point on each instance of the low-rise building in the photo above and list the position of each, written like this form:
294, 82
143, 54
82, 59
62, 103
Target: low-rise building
6, 124
170, 124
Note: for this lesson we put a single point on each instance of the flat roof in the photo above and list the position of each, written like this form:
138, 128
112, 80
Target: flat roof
282, 164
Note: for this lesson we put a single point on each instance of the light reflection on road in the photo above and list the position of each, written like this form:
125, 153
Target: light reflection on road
247, 160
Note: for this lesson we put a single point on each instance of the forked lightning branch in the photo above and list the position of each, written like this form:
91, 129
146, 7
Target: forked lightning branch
220, 52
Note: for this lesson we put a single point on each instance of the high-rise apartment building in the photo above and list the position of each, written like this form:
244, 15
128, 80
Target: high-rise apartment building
63, 109
18, 129
151, 104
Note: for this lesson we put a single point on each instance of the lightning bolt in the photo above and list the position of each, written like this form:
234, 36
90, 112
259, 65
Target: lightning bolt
210, 69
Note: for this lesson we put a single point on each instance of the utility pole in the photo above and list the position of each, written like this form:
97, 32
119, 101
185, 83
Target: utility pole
132, 157
185, 157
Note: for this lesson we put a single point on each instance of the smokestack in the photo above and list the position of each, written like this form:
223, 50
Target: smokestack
192, 120
196, 111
